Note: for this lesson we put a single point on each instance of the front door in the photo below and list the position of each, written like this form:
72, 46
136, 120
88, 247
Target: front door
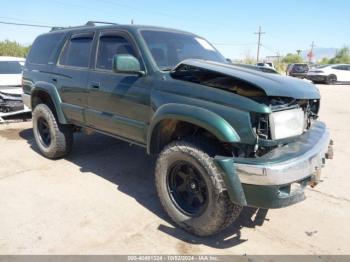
118, 103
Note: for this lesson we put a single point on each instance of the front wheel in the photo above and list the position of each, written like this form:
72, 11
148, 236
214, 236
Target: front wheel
53, 139
191, 189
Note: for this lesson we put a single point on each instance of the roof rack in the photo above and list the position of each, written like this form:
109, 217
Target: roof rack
89, 23
93, 23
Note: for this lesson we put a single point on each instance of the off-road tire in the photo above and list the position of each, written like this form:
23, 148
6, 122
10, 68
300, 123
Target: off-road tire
220, 212
61, 135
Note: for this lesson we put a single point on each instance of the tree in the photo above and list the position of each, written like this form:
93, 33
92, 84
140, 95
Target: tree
292, 58
324, 61
341, 57
12, 48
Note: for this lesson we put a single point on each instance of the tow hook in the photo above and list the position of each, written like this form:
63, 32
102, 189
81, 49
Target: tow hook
329, 154
316, 178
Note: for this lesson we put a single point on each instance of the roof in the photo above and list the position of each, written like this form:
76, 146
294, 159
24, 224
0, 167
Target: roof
12, 58
90, 25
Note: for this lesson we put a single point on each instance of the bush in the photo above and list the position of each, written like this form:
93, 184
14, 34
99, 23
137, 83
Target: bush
292, 58
12, 48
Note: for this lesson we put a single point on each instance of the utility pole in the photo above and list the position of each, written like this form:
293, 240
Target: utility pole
311, 54
259, 43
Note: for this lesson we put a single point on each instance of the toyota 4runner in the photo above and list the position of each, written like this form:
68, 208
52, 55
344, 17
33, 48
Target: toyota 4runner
226, 136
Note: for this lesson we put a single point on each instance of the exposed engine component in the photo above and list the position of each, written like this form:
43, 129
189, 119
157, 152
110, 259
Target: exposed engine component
214, 79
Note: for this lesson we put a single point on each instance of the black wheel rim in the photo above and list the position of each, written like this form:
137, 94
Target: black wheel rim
332, 79
44, 132
187, 188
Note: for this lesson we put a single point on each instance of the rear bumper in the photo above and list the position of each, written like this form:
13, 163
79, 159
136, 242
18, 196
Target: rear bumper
300, 75
278, 178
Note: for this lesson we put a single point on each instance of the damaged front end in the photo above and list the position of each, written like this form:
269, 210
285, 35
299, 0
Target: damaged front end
291, 145
10, 102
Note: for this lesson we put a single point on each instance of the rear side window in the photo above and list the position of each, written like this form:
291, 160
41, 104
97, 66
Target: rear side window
110, 46
10, 67
76, 52
43, 48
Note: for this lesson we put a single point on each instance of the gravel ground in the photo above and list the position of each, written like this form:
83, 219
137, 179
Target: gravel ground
101, 200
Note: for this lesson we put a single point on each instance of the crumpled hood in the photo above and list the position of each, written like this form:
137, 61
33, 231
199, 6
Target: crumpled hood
271, 84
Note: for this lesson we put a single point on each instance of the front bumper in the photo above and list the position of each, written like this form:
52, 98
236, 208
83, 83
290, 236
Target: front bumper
10, 103
292, 162
278, 178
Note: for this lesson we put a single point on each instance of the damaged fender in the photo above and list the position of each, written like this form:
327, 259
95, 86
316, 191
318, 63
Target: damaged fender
231, 179
201, 117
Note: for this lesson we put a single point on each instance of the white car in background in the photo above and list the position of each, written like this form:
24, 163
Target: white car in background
330, 74
11, 86
266, 64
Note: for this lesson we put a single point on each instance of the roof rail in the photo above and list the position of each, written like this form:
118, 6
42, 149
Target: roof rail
89, 23
93, 23
55, 28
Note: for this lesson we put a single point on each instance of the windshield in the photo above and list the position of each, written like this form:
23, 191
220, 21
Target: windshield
10, 67
170, 48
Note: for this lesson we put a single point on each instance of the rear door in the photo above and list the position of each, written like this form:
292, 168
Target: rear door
119, 103
71, 73
340, 72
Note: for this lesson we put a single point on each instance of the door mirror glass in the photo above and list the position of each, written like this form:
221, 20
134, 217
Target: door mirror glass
126, 63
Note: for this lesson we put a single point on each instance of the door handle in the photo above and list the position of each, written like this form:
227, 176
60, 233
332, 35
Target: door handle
95, 85
54, 79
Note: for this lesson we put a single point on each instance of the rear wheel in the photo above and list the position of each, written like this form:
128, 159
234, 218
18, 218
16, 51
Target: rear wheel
191, 189
331, 79
53, 139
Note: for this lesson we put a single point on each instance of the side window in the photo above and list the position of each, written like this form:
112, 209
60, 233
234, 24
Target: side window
339, 67
44, 47
110, 45
76, 52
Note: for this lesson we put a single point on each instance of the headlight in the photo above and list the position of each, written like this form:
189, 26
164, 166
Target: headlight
287, 123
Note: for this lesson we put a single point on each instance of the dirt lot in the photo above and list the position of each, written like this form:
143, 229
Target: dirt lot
101, 199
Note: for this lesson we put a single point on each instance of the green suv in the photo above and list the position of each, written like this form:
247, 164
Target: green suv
226, 136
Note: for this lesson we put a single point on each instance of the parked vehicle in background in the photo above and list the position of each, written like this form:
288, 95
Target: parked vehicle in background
11, 86
265, 69
266, 64
225, 136
330, 74
297, 70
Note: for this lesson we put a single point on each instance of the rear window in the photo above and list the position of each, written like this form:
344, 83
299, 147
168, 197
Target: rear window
76, 52
43, 48
10, 67
301, 68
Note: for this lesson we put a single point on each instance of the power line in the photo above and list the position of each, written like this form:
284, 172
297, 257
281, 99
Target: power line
132, 21
259, 42
23, 24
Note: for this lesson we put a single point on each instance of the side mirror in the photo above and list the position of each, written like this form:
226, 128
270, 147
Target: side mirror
126, 64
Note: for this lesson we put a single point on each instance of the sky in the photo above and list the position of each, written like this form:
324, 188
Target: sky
228, 24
